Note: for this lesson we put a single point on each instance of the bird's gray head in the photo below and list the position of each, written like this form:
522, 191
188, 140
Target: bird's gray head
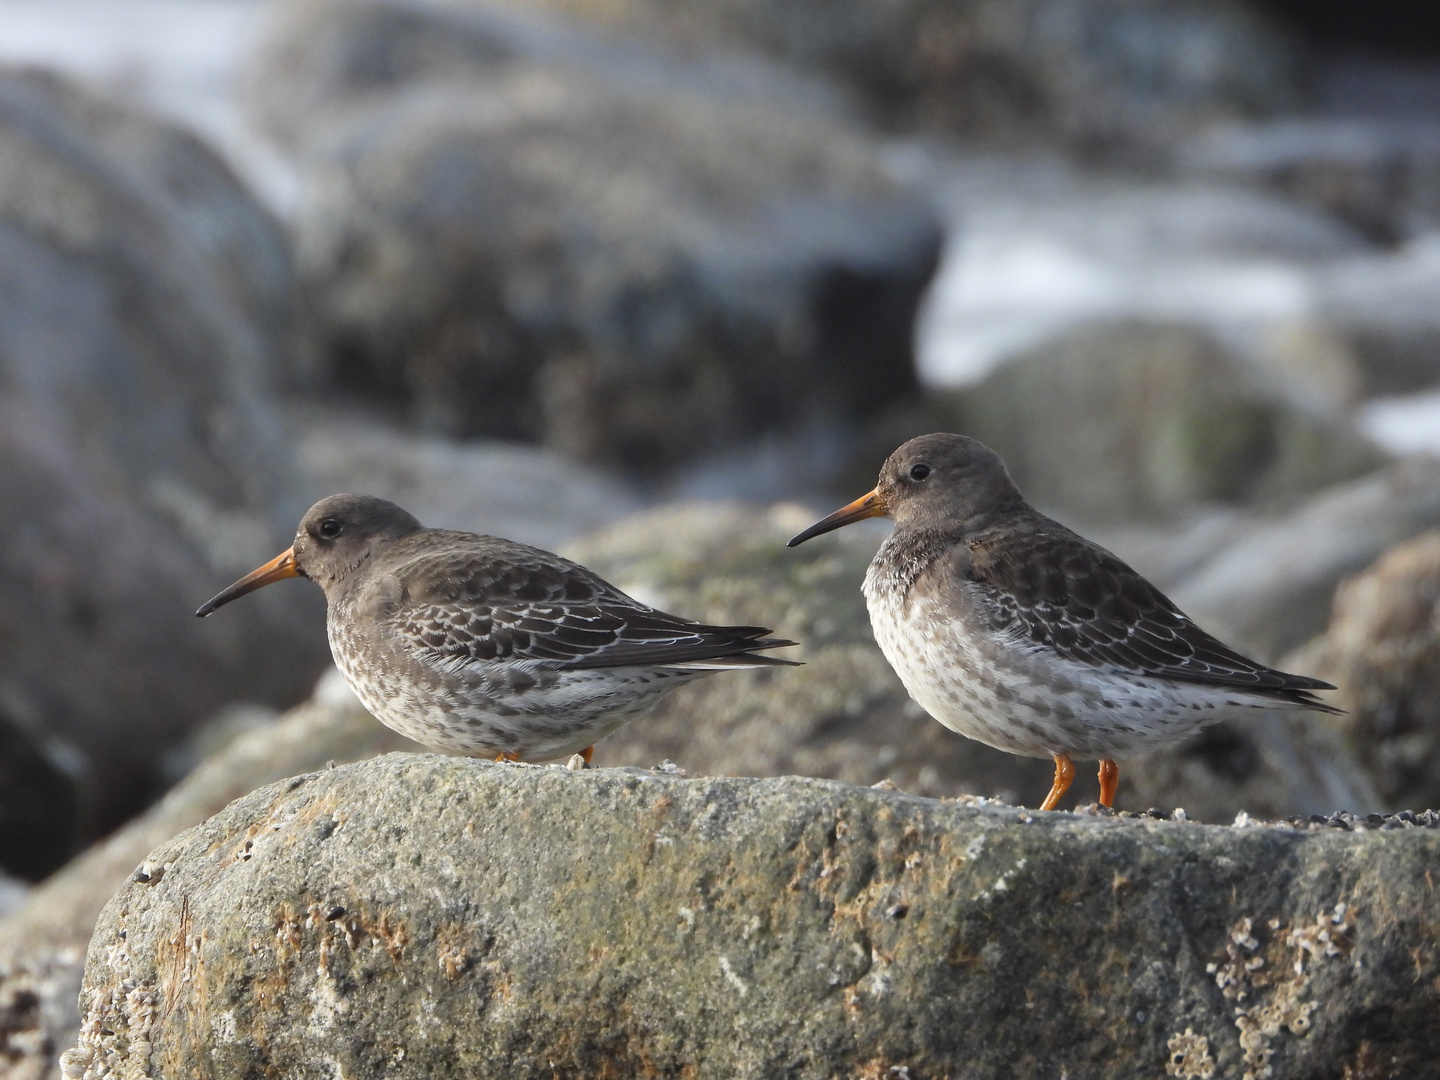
948, 482
336, 536
939, 479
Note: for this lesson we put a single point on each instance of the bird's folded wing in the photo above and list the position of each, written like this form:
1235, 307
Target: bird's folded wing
1058, 590
574, 636
539, 607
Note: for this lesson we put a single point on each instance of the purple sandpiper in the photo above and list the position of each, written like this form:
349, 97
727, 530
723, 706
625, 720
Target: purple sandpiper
485, 646
1011, 629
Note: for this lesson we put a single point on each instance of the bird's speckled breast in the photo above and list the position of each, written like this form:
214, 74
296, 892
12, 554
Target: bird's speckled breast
374, 672
952, 668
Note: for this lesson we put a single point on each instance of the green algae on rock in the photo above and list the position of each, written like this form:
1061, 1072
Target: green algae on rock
437, 917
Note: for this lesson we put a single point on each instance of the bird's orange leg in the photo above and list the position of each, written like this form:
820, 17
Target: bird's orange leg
1109, 777
507, 755
587, 754
1064, 773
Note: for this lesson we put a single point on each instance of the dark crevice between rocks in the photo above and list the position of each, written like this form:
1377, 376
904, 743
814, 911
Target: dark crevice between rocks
39, 807
20, 1025
1402, 28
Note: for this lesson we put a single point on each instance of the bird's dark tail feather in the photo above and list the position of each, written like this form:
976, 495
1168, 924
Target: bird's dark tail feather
1309, 701
746, 653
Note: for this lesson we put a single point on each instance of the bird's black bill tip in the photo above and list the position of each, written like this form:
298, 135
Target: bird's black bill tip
818, 529
277, 569
215, 602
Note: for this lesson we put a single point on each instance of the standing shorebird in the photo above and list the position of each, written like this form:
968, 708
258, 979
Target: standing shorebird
485, 646
1011, 629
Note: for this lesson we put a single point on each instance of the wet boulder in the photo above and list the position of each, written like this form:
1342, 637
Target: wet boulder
1382, 649
528, 228
1137, 419
1111, 75
142, 464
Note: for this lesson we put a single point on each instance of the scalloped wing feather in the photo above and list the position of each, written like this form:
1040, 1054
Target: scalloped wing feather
492, 600
1053, 588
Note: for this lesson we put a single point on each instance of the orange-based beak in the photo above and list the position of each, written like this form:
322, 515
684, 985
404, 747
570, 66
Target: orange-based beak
277, 569
867, 506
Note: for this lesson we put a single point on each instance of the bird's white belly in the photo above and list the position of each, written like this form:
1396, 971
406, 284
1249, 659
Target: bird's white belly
483, 708
1023, 699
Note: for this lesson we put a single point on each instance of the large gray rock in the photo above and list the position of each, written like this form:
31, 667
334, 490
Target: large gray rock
1094, 73
1270, 584
1382, 649
1133, 419
438, 917
1382, 307
1380, 174
845, 715
12, 893
1038, 247
42, 941
531, 229
141, 465
221, 221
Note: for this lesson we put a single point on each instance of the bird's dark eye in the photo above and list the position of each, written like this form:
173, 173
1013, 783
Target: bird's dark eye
330, 528
919, 472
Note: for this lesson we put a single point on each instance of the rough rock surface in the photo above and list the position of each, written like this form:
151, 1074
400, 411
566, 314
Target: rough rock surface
42, 941
1382, 650
438, 917
535, 230
1093, 73
845, 715
140, 464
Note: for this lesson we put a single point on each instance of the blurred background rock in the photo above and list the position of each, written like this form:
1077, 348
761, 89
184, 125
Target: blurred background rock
654, 284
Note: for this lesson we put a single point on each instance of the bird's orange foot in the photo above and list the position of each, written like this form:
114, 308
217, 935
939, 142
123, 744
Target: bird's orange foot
1109, 777
1064, 773
507, 755
587, 754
